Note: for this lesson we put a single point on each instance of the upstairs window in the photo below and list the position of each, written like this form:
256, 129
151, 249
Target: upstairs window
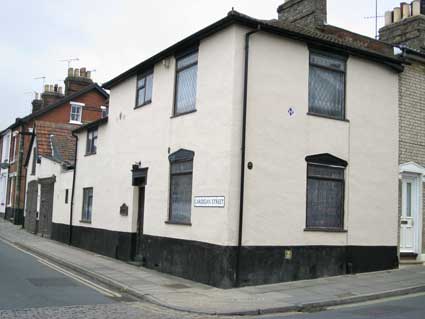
325, 192
144, 88
91, 144
87, 204
34, 161
105, 111
186, 82
13, 148
76, 112
181, 169
327, 85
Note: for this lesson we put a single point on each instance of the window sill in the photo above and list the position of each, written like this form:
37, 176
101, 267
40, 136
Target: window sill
90, 154
328, 117
170, 222
142, 105
181, 114
85, 221
325, 230
75, 122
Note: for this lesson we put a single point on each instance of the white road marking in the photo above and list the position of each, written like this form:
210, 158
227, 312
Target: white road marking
88, 283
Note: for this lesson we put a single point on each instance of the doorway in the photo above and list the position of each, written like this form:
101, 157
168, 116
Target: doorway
46, 206
409, 219
140, 222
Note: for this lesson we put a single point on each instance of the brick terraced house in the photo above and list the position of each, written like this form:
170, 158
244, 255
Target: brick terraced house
405, 27
251, 152
83, 101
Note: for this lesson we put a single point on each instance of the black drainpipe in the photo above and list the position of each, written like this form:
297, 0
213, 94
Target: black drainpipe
73, 190
243, 148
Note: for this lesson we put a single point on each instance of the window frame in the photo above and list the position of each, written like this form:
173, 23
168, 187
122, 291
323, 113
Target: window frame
90, 146
12, 155
176, 73
328, 161
181, 156
80, 106
84, 216
138, 78
341, 57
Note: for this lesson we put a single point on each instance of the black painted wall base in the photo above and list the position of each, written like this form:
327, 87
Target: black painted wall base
215, 265
113, 244
2, 215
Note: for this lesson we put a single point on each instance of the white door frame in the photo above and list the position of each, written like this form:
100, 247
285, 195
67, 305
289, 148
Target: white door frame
415, 173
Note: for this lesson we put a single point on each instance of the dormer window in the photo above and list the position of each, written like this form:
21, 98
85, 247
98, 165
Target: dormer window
76, 113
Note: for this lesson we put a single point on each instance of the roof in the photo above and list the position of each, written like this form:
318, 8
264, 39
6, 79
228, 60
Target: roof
55, 142
60, 102
90, 125
355, 45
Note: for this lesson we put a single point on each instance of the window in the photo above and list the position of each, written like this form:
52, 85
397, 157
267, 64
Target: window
87, 204
181, 168
76, 110
144, 89
91, 145
12, 180
105, 111
66, 195
325, 192
13, 149
34, 161
327, 85
186, 81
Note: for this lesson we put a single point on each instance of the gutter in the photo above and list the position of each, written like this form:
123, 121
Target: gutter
243, 148
71, 211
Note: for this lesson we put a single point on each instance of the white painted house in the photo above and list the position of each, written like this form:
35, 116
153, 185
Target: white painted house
250, 152
50, 166
4, 170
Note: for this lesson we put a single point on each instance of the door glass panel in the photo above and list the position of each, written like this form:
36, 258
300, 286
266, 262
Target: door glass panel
408, 199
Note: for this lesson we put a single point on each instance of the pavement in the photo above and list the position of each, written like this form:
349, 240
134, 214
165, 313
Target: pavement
184, 295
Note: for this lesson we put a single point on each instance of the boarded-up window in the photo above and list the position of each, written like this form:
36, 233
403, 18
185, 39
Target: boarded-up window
327, 85
181, 186
325, 196
87, 204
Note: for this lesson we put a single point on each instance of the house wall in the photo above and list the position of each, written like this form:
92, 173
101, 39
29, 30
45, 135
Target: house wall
412, 122
5, 149
63, 180
275, 189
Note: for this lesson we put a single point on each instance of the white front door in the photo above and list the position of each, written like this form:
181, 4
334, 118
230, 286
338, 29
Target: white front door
409, 214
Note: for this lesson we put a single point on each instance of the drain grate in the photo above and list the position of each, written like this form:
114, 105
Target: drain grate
51, 282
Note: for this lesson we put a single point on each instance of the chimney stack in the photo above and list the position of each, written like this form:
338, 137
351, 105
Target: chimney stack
405, 25
52, 93
306, 13
37, 104
76, 80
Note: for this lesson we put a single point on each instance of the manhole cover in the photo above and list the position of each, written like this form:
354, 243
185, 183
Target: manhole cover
51, 282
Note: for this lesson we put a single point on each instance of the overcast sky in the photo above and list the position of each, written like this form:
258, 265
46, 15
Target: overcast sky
112, 36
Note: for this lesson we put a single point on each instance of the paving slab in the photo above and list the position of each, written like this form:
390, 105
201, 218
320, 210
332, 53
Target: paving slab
185, 295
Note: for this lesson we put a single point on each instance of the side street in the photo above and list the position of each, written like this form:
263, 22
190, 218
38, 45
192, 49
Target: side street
254, 167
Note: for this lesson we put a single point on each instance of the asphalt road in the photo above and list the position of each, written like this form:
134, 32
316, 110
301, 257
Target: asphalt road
30, 289
27, 283
407, 307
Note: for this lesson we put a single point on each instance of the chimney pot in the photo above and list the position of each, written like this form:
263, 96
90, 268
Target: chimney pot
83, 72
76, 72
405, 10
36, 96
46, 88
397, 14
51, 88
416, 8
60, 90
388, 17
56, 88
88, 74
70, 71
